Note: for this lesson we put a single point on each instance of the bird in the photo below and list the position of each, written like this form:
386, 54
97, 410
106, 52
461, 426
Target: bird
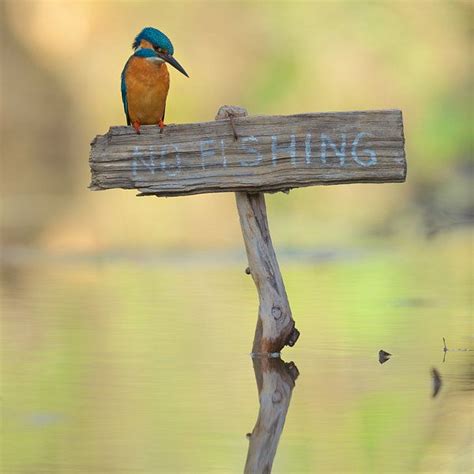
145, 79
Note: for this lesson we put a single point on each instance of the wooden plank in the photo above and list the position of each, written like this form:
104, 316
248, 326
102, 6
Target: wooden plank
272, 153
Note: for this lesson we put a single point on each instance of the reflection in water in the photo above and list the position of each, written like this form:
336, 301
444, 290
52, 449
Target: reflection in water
449, 441
437, 382
99, 354
275, 383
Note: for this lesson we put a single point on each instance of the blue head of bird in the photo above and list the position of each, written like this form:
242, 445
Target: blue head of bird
153, 44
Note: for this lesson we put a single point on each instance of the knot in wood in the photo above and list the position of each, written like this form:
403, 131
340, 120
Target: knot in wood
293, 337
292, 370
276, 312
228, 111
277, 396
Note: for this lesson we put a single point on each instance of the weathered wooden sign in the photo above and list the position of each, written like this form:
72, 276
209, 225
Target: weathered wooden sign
271, 153
250, 156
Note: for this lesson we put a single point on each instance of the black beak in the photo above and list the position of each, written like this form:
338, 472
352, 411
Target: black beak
169, 59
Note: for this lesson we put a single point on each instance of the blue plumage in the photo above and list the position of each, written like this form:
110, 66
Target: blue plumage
141, 53
145, 53
124, 93
145, 79
155, 37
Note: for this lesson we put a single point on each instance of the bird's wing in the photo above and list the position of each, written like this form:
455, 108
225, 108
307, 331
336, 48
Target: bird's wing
124, 93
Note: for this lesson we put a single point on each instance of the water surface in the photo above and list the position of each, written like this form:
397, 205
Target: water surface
140, 364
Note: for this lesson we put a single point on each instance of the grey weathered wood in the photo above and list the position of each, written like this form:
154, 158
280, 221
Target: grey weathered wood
275, 325
251, 155
271, 153
275, 382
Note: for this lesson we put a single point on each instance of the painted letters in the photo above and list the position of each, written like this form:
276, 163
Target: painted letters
168, 158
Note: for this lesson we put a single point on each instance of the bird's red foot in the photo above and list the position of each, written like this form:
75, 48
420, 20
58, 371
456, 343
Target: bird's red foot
162, 125
136, 126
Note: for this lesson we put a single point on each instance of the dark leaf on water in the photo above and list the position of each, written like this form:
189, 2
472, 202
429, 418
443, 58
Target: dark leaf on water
384, 356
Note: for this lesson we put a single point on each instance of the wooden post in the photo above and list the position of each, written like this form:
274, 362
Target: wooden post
275, 383
251, 156
275, 325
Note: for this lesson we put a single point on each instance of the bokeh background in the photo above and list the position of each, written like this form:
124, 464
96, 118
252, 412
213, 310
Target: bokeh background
102, 292
61, 87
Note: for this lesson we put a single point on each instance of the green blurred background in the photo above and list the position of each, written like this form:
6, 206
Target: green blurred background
61, 87
126, 322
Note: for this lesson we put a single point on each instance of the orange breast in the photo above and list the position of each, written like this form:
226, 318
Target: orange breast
147, 87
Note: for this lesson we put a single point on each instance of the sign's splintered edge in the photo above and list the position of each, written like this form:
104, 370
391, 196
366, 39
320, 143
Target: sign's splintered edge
251, 190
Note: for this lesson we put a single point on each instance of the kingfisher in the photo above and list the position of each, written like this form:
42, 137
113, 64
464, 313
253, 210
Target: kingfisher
145, 79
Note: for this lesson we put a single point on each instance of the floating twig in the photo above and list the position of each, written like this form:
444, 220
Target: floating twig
445, 349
